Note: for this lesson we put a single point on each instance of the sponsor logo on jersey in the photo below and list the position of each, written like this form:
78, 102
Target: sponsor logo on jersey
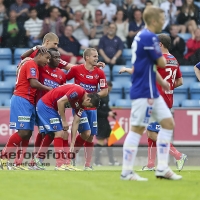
54, 75
89, 77
24, 119
96, 76
82, 75
47, 127
21, 125
12, 124
157, 127
54, 121
60, 77
50, 83
73, 95
170, 56
172, 62
89, 88
94, 124
41, 128
55, 127
83, 120
33, 71
102, 82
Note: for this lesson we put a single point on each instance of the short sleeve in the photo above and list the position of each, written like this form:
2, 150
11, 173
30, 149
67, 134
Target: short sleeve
32, 71
102, 80
62, 64
71, 73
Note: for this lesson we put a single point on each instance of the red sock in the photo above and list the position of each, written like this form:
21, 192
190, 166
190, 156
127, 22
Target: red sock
88, 153
13, 143
59, 151
38, 142
174, 152
66, 150
151, 153
78, 143
21, 152
44, 146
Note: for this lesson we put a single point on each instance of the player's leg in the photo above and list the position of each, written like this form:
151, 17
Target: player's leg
140, 115
98, 148
163, 115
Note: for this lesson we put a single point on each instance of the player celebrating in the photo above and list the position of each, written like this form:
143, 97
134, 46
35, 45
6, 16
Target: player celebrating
51, 111
22, 110
88, 76
146, 101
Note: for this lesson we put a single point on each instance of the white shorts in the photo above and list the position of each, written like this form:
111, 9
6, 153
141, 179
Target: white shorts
145, 110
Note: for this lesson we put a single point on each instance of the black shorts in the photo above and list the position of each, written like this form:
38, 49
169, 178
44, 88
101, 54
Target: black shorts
104, 129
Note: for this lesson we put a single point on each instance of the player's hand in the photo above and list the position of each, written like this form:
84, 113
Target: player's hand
65, 126
101, 64
165, 86
122, 70
111, 114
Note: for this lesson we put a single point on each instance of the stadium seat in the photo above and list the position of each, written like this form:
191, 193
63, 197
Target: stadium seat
176, 103
6, 102
6, 90
110, 103
127, 54
195, 90
70, 81
9, 73
188, 75
128, 64
106, 70
185, 36
127, 86
190, 103
17, 54
116, 92
5, 57
124, 103
181, 93
197, 3
120, 77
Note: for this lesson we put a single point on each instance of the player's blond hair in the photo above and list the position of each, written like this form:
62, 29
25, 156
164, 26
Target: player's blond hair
151, 12
87, 52
50, 36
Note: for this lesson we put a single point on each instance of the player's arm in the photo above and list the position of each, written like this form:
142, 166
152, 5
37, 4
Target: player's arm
61, 109
37, 85
126, 69
161, 62
30, 51
178, 82
103, 92
164, 84
197, 72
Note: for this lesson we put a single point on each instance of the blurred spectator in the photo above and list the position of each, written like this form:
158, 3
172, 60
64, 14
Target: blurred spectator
135, 26
32, 3
188, 17
3, 16
122, 27
54, 23
140, 4
118, 3
170, 13
177, 44
52, 2
87, 10
98, 29
128, 8
65, 9
8, 3
148, 3
21, 9
69, 47
193, 47
81, 28
108, 9
33, 28
13, 32
111, 47
43, 9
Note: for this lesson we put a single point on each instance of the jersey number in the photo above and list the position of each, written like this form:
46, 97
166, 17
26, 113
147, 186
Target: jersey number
171, 75
134, 49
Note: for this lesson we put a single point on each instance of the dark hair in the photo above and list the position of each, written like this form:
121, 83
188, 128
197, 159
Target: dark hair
51, 50
95, 99
165, 40
52, 8
109, 83
32, 8
40, 52
148, 1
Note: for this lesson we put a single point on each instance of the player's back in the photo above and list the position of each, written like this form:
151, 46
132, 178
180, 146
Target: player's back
145, 52
170, 73
23, 88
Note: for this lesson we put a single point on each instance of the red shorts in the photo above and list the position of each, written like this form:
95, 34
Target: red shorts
68, 58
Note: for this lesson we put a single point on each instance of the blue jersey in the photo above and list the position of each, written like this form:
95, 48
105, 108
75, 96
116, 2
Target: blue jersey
198, 65
145, 52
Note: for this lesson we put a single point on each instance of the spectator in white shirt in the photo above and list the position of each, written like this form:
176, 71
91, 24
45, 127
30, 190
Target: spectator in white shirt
108, 9
33, 28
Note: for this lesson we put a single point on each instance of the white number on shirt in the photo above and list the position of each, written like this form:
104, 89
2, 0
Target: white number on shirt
172, 75
134, 49
18, 76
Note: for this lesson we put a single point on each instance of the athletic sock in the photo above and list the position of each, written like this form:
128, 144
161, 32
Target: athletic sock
38, 141
59, 151
152, 150
174, 152
98, 149
66, 150
163, 144
78, 143
130, 149
89, 147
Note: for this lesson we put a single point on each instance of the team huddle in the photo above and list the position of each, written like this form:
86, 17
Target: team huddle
41, 96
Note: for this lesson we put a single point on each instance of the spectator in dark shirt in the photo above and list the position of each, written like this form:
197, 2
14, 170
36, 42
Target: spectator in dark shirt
111, 47
32, 3
69, 47
43, 9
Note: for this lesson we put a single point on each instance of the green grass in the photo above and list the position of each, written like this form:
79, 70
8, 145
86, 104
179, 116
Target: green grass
101, 184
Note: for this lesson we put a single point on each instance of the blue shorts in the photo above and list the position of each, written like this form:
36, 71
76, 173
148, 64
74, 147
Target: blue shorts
154, 127
22, 114
49, 118
38, 123
88, 121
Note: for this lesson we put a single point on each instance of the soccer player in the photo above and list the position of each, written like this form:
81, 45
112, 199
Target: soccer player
22, 110
146, 101
89, 77
51, 111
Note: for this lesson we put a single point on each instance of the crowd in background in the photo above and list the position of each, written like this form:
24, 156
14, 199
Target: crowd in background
108, 25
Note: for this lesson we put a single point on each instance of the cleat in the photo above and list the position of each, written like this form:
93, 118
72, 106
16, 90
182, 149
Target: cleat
97, 164
88, 168
146, 168
72, 168
38, 164
167, 174
133, 177
180, 163
61, 168
5, 165
19, 167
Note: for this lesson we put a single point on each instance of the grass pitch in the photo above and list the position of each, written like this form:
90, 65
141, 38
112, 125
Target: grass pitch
101, 184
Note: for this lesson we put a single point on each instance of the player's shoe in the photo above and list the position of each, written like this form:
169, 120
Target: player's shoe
38, 164
133, 177
88, 168
61, 168
5, 165
97, 164
146, 168
180, 163
167, 174
72, 168
19, 167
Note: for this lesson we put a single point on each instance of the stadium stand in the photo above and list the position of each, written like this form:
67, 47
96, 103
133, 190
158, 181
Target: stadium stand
185, 36
188, 75
5, 57
9, 73
176, 103
127, 54
6, 89
106, 70
17, 54
126, 86
195, 90
116, 92
124, 103
120, 77
190, 103
181, 93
